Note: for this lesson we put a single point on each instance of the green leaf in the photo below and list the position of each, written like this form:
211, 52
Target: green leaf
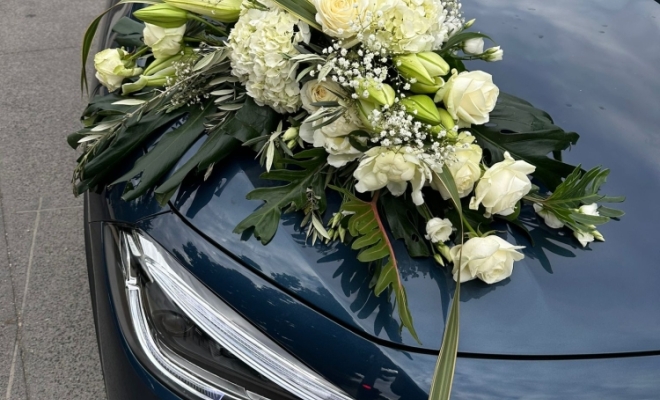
302, 9
404, 224
371, 238
443, 377
265, 219
610, 212
129, 32
529, 134
446, 180
126, 142
171, 147
252, 121
88, 38
248, 123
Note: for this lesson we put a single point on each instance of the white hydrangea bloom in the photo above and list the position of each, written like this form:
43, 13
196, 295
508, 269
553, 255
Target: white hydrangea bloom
259, 41
412, 26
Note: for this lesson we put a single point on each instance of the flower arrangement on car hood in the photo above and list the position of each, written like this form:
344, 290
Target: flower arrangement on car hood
369, 98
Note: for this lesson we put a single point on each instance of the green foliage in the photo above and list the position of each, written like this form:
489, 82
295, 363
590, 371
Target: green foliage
580, 188
371, 239
403, 221
528, 134
129, 32
443, 376
248, 123
310, 173
158, 161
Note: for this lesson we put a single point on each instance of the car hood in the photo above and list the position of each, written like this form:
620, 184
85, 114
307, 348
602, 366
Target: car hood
581, 62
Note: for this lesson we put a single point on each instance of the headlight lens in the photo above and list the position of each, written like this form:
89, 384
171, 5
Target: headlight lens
199, 342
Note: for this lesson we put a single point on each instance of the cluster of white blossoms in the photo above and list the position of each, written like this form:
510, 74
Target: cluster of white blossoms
261, 43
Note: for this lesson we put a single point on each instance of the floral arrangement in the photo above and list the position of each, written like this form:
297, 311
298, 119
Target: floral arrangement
368, 98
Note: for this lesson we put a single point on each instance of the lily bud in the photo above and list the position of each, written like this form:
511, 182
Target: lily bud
158, 79
163, 15
366, 113
493, 54
469, 23
290, 134
379, 93
421, 88
439, 260
291, 144
434, 64
411, 68
223, 11
446, 119
444, 250
422, 108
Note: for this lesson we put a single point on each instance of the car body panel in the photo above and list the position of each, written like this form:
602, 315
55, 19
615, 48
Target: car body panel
562, 299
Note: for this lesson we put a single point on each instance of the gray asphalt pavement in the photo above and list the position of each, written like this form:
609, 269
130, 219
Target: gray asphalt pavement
47, 341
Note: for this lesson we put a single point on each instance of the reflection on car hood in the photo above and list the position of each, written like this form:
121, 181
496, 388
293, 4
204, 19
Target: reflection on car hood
593, 66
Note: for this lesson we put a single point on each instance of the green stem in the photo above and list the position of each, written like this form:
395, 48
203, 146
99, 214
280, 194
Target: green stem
138, 53
207, 23
466, 223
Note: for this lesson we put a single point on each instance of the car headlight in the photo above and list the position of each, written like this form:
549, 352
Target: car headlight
199, 342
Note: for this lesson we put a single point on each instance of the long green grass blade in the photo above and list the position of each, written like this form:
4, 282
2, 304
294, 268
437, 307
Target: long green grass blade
443, 377
88, 38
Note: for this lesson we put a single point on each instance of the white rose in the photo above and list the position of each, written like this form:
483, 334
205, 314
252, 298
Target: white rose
465, 168
394, 168
164, 42
502, 186
489, 259
469, 97
334, 138
548, 216
473, 46
110, 68
315, 92
338, 16
438, 230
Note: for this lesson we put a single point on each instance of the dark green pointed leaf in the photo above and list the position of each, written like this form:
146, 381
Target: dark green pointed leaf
265, 219
529, 134
404, 224
171, 147
129, 32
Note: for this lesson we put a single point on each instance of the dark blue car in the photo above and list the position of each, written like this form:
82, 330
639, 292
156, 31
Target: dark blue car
296, 321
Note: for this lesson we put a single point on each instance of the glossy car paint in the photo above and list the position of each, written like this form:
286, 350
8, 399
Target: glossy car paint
570, 323
580, 61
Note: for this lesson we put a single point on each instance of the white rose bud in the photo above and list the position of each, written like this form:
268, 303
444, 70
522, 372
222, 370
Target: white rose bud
548, 216
469, 97
111, 69
502, 186
489, 259
164, 42
337, 17
494, 54
473, 46
316, 92
394, 168
438, 230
